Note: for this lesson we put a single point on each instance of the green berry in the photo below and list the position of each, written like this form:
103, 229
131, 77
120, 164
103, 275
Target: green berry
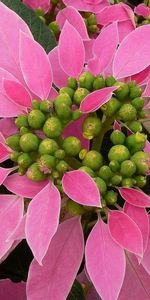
93, 160
127, 182
127, 112
36, 119
67, 90
48, 146
24, 130
114, 166
46, 163
141, 160
135, 126
62, 166
101, 185
86, 80
136, 142
138, 103
82, 153
62, 98
76, 114
128, 168
112, 107
72, 83
110, 81
119, 153
13, 142
117, 137
55, 174
34, 174
140, 181
79, 95
110, 197
116, 179
25, 160
105, 173
135, 92
91, 19
22, 120
98, 82
142, 114
87, 170
21, 171
71, 145
92, 28
29, 142
63, 111
36, 104
74, 208
122, 92
46, 106
60, 154
53, 127
91, 127
54, 26
14, 156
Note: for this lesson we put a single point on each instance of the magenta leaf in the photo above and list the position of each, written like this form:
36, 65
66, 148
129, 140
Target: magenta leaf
71, 50
8, 289
19, 232
135, 197
125, 232
54, 279
17, 93
112, 13
81, 188
42, 220
8, 127
105, 262
4, 173
4, 152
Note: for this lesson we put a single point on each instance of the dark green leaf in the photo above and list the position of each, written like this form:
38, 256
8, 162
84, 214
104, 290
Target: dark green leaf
39, 30
76, 292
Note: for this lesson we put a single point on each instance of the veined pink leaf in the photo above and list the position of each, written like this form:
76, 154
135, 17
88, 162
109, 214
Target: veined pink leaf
96, 99
4, 173
91, 5
124, 28
146, 92
34, 4
127, 59
105, 262
125, 232
16, 92
135, 197
19, 232
59, 76
71, 50
8, 289
8, 127
112, 13
4, 152
8, 108
146, 257
142, 78
81, 188
42, 220
54, 279
23, 186
39, 77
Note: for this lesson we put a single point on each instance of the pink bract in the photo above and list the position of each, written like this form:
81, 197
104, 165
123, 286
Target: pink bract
35, 4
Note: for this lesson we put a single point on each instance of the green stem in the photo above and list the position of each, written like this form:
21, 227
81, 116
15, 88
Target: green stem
73, 162
97, 141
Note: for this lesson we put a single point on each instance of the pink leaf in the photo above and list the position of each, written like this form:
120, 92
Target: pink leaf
59, 76
4, 152
87, 5
54, 279
125, 232
4, 173
23, 186
142, 77
19, 232
124, 28
80, 187
112, 13
71, 50
17, 93
8, 127
8, 289
39, 77
105, 262
128, 60
96, 99
135, 197
42, 220
34, 4
142, 10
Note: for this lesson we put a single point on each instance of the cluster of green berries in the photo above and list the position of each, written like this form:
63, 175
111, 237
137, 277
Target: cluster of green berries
91, 22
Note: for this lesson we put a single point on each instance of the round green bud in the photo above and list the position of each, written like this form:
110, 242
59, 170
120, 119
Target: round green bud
114, 166
127, 182
67, 90
60, 154
72, 83
55, 174
82, 153
21, 120
62, 98
76, 114
29, 142
79, 95
74, 208
91, 127
105, 173
53, 127
98, 82
93, 160
128, 168
25, 160
116, 179
21, 171
91, 19
46, 106
142, 114
138, 103
36, 119
92, 28
135, 126
136, 142
135, 92
62, 166
119, 153
117, 137
48, 146
110, 197
87, 170
110, 81
127, 112
122, 92
101, 185
36, 104
141, 160
34, 174
112, 107
39, 11
24, 130
140, 181
63, 111
86, 80
14, 156
13, 142
71, 145
46, 163
54, 26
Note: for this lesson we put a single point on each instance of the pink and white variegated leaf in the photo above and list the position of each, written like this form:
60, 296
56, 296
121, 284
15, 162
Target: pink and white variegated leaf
146, 258
59, 76
34, 4
8, 127
127, 60
71, 51
135, 197
60, 265
42, 220
8, 289
4, 173
112, 13
19, 232
35, 66
105, 262
4, 152
81, 188
125, 232
91, 5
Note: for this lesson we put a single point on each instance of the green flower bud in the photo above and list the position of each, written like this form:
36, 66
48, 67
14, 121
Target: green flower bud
79, 95
34, 173
13, 142
123, 91
98, 82
132, 83
91, 19
22, 120
136, 142
142, 114
127, 112
62, 166
24, 130
54, 26
119, 153
105, 173
127, 182
138, 103
21, 171
92, 28
25, 160
62, 98
112, 107
46, 163
86, 80
110, 197
87, 170
71, 145
116, 179
72, 83
63, 111
110, 81
82, 153
135, 126
114, 166
36, 119
91, 127
135, 92
76, 114
48, 146
74, 208
46, 106
40, 12
101, 185
60, 154
93, 160
140, 181
141, 160
128, 168
53, 127
67, 90
117, 137
55, 174
29, 142
14, 156
36, 104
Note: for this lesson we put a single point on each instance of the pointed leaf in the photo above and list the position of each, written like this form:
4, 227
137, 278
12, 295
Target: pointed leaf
105, 262
17, 93
34, 4
135, 197
112, 13
4, 152
4, 173
80, 187
19, 232
12, 288
8, 127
